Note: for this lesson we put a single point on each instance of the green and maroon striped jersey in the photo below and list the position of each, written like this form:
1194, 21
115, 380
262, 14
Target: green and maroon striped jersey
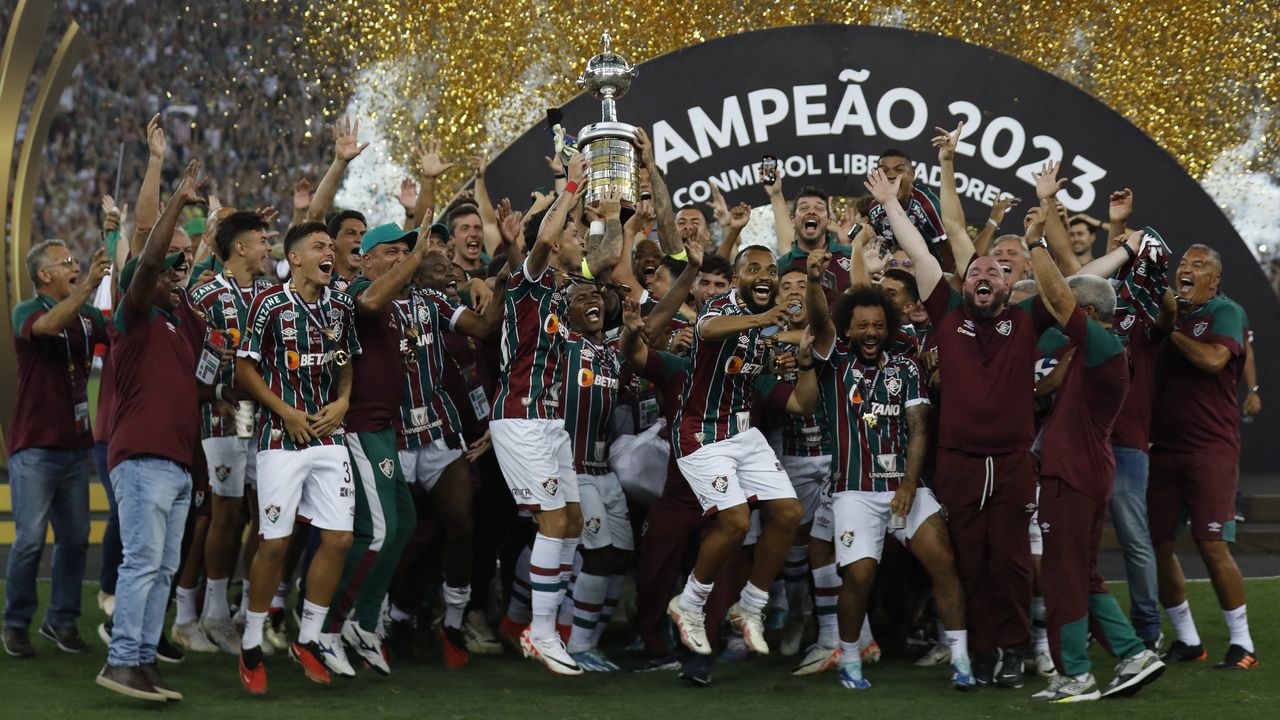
226, 308
427, 413
298, 348
531, 379
590, 394
869, 456
718, 388
804, 435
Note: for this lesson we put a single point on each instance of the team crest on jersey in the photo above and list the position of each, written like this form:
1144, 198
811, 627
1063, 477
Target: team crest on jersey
720, 484
1004, 327
844, 263
288, 316
887, 462
423, 315
334, 314
387, 466
272, 512
1127, 322
551, 485
592, 525
856, 375
199, 498
893, 385
1200, 327
846, 538
223, 472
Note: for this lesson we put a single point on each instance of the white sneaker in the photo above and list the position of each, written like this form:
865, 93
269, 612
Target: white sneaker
480, 638
366, 645
549, 652
792, 634
192, 637
107, 603
751, 623
817, 659
937, 655
1066, 689
222, 633
335, 657
275, 632
1044, 664
692, 626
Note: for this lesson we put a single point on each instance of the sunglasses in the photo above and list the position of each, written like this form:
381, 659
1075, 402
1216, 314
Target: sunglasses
67, 261
895, 262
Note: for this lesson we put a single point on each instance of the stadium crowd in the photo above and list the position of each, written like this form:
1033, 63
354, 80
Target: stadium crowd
410, 425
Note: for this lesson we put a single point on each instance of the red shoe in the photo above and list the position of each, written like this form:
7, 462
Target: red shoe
254, 680
455, 647
312, 662
565, 631
509, 632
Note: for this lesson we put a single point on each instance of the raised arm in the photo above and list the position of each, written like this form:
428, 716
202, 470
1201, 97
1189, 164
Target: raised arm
1112, 262
431, 167
928, 271
962, 249
804, 397
821, 327
1119, 210
737, 219
388, 287
488, 217
1047, 186
623, 273
60, 316
511, 228
982, 243
1054, 291
634, 349
670, 303
783, 223
346, 146
302, 197
667, 235
151, 259
147, 209
553, 222
604, 255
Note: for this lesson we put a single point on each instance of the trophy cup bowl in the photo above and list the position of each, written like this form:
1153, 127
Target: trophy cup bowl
609, 145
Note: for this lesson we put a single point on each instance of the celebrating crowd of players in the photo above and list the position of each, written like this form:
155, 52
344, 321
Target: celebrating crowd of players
735, 429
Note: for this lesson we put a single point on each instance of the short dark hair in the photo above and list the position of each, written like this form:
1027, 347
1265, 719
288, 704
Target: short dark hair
737, 258
701, 211
813, 191
298, 232
863, 204
717, 265
335, 222
673, 266
865, 296
230, 227
895, 152
1082, 221
460, 211
908, 282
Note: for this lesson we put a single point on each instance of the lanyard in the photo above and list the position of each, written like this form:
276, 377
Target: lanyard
65, 334
316, 317
237, 293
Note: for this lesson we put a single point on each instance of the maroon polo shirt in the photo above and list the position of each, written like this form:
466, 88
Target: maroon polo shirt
156, 411
988, 389
53, 377
1133, 426
378, 375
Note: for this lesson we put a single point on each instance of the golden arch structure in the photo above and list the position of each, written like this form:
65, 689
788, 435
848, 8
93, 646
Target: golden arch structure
20, 166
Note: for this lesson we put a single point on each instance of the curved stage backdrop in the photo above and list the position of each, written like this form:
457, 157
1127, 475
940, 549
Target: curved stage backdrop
826, 99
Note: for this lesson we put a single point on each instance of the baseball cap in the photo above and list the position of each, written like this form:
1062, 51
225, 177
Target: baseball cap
131, 267
440, 229
386, 234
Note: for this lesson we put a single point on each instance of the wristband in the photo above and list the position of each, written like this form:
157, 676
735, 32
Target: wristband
586, 270
570, 187
1129, 251
559, 176
683, 255
217, 391
804, 368
992, 222
597, 228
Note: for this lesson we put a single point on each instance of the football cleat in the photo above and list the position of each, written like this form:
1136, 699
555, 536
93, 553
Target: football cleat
735, 649
792, 635
549, 652
692, 626
1237, 659
222, 633
454, 644
696, 670
984, 667
1180, 652
870, 654
367, 647
192, 637
1134, 673
937, 655
509, 631
962, 675
851, 676
594, 660
1009, 670
311, 658
334, 655
276, 632
479, 635
817, 659
253, 672
751, 624
1042, 663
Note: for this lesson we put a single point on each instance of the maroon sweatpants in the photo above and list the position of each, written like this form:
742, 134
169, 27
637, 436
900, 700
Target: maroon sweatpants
989, 501
668, 547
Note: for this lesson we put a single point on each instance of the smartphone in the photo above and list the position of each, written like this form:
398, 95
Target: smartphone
768, 169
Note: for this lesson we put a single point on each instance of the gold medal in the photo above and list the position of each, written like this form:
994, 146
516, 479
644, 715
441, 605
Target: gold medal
329, 333
341, 357
412, 331
869, 419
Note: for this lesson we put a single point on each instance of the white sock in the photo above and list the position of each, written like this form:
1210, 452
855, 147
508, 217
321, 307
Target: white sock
1039, 626
849, 654
795, 573
215, 599
544, 583
564, 616
611, 598
278, 600
826, 591
455, 604
865, 638
519, 606
1184, 624
569, 562
588, 600
754, 598
312, 620
244, 597
253, 623
1238, 626
185, 599
958, 641
398, 615
694, 596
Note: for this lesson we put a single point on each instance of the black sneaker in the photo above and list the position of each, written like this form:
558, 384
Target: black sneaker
1009, 673
984, 667
167, 651
17, 642
666, 662
67, 639
400, 637
152, 674
128, 680
1237, 659
1180, 652
696, 670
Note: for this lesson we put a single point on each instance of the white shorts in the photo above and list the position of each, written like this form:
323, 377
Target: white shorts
313, 484
809, 475
536, 457
605, 520
233, 464
822, 520
425, 464
861, 519
731, 472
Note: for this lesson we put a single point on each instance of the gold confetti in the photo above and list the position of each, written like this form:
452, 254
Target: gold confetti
477, 74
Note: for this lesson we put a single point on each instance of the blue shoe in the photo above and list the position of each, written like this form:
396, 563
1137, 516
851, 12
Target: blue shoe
735, 650
594, 661
961, 676
851, 676
775, 617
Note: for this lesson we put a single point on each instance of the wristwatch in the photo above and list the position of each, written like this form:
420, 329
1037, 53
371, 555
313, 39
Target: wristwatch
1254, 390
1041, 243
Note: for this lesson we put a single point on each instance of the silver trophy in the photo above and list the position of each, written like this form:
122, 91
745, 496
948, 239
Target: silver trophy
609, 145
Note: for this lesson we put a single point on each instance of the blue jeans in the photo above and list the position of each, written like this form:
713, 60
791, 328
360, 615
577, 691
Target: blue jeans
47, 486
153, 496
1129, 516
111, 550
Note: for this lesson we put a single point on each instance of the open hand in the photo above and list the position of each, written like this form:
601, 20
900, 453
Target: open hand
346, 140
